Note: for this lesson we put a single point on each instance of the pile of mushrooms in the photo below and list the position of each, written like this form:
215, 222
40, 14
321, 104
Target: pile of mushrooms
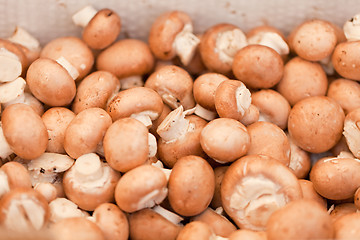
221, 134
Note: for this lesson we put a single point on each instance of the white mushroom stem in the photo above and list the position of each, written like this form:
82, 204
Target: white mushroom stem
152, 145
352, 28
174, 126
4, 183
185, 44
170, 216
62, 208
160, 165
243, 99
131, 82
352, 134
5, 150
145, 117
74, 73
10, 66
220, 211
152, 198
345, 154
228, 43
272, 40
24, 38
204, 113
9, 91
327, 65
84, 16
88, 167
20, 99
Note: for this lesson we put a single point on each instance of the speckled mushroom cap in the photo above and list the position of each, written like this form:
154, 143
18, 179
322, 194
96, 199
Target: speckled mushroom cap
345, 60
346, 92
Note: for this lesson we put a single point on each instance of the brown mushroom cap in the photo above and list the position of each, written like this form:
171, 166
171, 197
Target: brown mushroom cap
316, 123
24, 131
302, 79
336, 178
95, 90
225, 140
258, 66
268, 139
341, 209
17, 175
254, 187
148, 224
126, 144
127, 57
303, 218
74, 50
102, 30
112, 221
347, 227
346, 93
310, 193
56, 120
219, 175
141, 187
196, 230
50, 82
345, 60
85, 132
191, 185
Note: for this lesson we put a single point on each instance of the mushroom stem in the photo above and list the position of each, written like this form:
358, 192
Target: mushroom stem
132, 81
88, 167
170, 100
24, 38
272, 40
74, 73
185, 44
9, 91
243, 99
170, 216
83, 16
145, 117
228, 43
61, 208
4, 183
10, 67
152, 145
204, 113
352, 28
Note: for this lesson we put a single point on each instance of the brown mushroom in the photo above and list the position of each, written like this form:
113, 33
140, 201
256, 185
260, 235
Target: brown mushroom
14, 175
346, 93
219, 175
339, 210
347, 227
300, 161
310, 193
196, 230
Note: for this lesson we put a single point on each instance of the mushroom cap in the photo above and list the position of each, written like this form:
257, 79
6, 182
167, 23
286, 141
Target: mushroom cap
316, 123
346, 92
254, 187
302, 79
196, 230
268, 139
141, 187
56, 120
112, 221
24, 131
125, 58
191, 185
95, 90
258, 66
50, 82
336, 178
342, 209
17, 175
86, 131
225, 139
163, 32
219, 175
345, 60
310, 193
148, 224
303, 218
74, 50
76, 228
102, 30
126, 144
135, 100
347, 227
205, 87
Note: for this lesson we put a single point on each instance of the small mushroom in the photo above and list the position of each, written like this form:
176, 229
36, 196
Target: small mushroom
90, 182
101, 28
62, 208
13, 175
196, 230
346, 93
46, 189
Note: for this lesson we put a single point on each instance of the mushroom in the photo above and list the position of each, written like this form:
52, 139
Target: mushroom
247, 234
14, 60
51, 83
352, 131
174, 85
300, 161
339, 210
254, 187
268, 139
155, 124
219, 175
95, 90
303, 218
23, 209
90, 182
351, 28
56, 120
101, 28
346, 93
48, 190
273, 107
112, 221
218, 46
86, 131
191, 185
171, 35
72, 50
347, 227
28, 99
196, 230
62, 208
13, 175
141, 103
24, 131
336, 178
140, 188
179, 136
258, 66
225, 140
204, 94
251, 115
126, 144
310, 193
154, 224
10, 91
316, 123
302, 79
